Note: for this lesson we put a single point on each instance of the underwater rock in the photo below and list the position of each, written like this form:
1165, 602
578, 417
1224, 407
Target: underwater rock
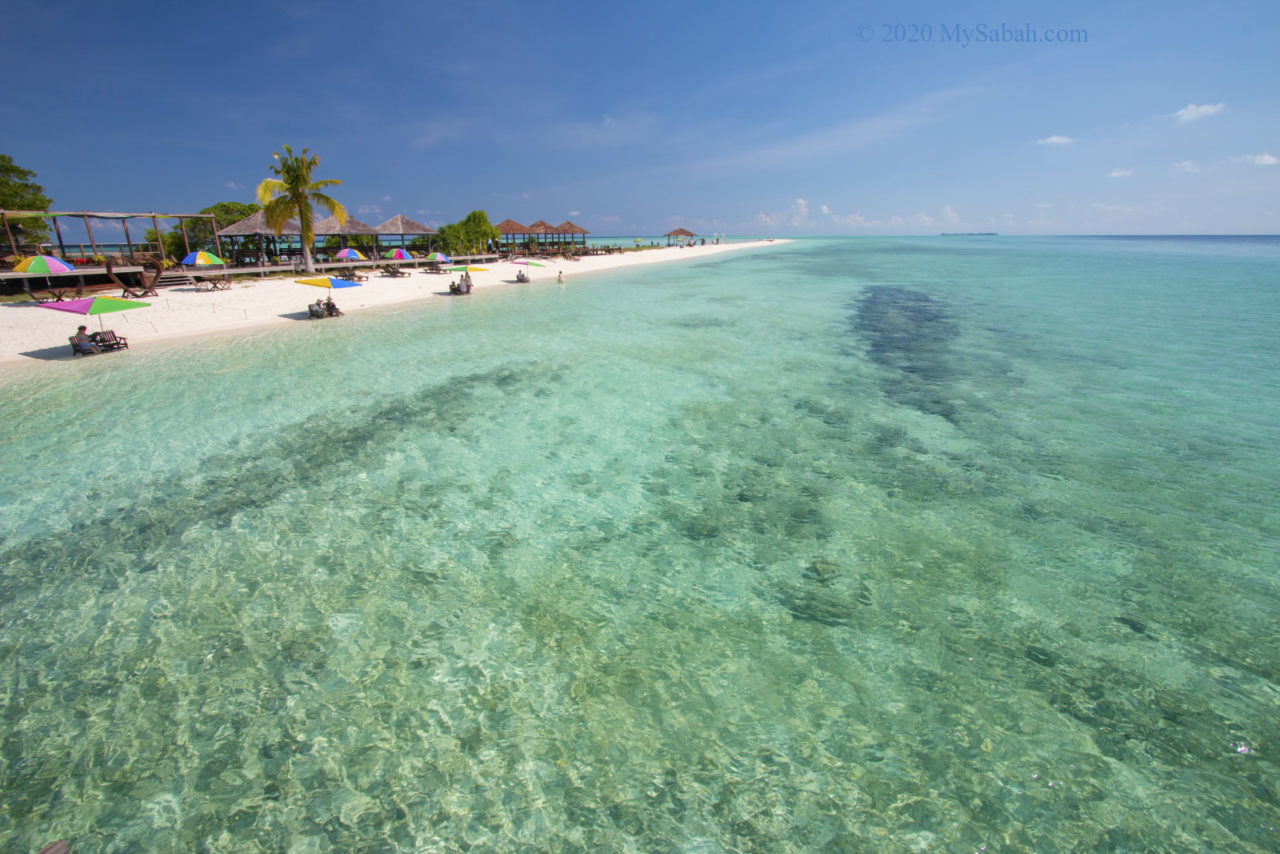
1041, 656
908, 334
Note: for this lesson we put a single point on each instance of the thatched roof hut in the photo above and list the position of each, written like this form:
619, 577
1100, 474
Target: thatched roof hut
677, 234
510, 226
542, 227
330, 225
402, 225
255, 224
568, 227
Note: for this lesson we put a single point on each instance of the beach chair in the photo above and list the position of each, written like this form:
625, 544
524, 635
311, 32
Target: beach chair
109, 340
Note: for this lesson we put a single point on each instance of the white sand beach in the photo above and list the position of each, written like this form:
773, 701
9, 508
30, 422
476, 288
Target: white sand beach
29, 334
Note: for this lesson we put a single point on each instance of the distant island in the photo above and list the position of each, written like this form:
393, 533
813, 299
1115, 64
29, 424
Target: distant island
970, 234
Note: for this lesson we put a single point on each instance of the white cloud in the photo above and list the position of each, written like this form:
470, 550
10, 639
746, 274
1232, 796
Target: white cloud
922, 219
826, 210
1056, 139
797, 215
1106, 207
232, 185
1121, 173
1186, 166
1257, 159
369, 209
1191, 112
575, 213
950, 216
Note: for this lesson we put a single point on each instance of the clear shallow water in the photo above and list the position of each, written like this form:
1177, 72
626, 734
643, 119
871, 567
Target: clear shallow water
853, 545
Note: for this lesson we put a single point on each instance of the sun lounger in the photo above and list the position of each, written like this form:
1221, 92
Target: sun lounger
110, 341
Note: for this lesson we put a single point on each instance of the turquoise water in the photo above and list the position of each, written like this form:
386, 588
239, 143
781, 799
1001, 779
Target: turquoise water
948, 544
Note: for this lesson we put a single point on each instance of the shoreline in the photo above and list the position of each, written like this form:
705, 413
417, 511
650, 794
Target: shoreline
31, 336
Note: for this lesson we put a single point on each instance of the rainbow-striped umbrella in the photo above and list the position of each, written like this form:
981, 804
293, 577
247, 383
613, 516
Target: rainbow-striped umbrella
202, 259
527, 262
351, 255
43, 264
398, 255
439, 256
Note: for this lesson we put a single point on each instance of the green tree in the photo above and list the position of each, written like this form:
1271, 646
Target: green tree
19, 193
293, 192
200, 234
470, 235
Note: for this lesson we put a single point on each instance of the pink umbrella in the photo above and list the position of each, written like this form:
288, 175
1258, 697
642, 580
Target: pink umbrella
95, 305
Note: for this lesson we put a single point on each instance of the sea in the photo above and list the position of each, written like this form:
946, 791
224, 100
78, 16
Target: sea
952, 544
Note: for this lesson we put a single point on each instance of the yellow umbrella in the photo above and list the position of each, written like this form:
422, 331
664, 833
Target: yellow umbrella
329, 282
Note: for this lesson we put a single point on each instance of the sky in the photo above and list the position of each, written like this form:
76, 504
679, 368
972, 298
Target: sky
840, 118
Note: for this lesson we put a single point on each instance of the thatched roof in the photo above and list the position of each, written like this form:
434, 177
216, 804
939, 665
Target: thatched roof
510, 226
680, 232
329, 225
568, 227
542, 227
256, 224
401, 224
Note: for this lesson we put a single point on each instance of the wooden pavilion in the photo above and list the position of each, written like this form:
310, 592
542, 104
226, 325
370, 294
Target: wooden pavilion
679, 233
511, 233
573, 231
352, 227
403, 226
123, 218
255, 225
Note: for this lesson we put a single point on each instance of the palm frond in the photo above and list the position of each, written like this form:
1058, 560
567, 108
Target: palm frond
331, 205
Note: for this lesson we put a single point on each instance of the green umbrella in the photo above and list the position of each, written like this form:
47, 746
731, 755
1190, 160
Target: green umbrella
95, 305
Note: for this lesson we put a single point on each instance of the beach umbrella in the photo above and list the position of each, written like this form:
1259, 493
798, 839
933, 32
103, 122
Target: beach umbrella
329, 282
465, 269
95, 305
440, 257
527, 262
202, 259
397, 254
43, 264
349, 254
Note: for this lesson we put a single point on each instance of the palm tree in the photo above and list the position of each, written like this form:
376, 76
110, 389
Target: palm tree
293, 193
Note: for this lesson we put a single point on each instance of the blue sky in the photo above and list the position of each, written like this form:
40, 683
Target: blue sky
809, 118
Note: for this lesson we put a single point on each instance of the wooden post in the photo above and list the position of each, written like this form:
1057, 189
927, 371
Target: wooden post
58, 231
155, 223
186, 244
89, 229
128, 242
13, 247
217, 244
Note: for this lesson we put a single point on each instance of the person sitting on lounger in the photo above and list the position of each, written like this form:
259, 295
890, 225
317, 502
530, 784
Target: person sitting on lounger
84, 341
331, 309
316, 309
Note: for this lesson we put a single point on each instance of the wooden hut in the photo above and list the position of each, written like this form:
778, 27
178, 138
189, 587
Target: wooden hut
573, 231
544, 232
352, 227
511, 234
403, 226
678, 233
255, 225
